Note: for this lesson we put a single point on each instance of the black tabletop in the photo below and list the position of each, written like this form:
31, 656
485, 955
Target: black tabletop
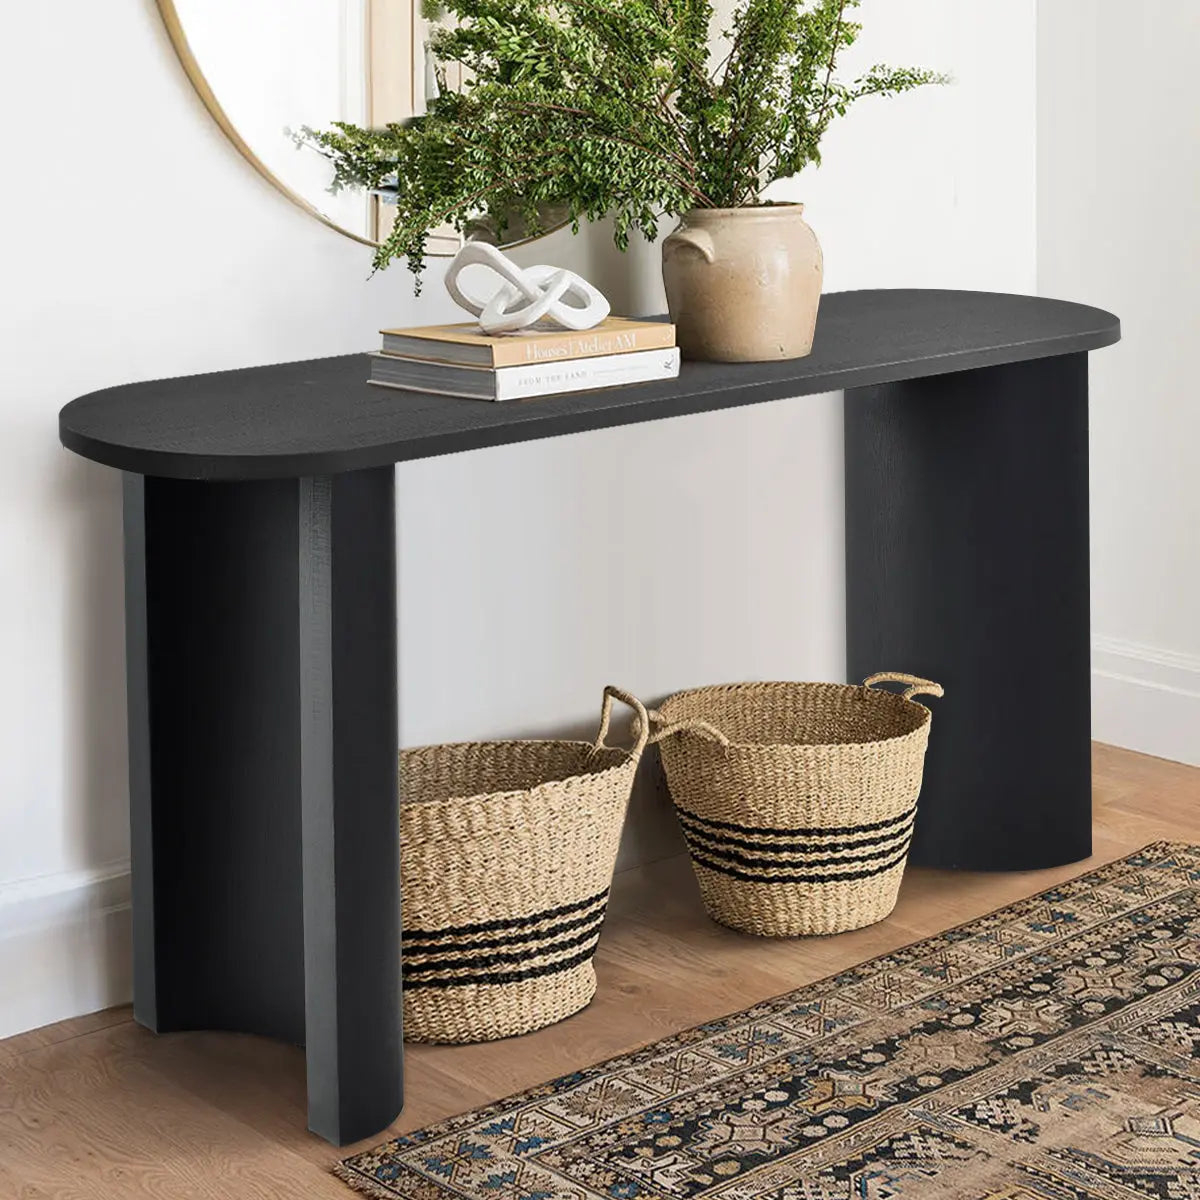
321, 416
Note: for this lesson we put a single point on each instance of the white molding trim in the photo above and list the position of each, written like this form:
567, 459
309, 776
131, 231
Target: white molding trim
1146, 698
65, 946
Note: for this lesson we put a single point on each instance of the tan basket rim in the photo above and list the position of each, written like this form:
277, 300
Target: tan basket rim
628, 759
874, 695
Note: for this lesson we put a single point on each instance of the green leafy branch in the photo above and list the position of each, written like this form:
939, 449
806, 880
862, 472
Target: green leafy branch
607, 107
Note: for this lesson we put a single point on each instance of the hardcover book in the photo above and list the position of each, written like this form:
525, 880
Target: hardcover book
465, 344
534, 379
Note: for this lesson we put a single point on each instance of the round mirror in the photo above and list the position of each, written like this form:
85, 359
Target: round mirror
267, 68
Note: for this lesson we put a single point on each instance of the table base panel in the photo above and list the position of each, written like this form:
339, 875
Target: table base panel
967, 562
261, 636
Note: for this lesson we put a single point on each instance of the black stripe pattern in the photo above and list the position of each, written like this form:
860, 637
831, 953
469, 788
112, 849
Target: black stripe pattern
764, 854
504, 951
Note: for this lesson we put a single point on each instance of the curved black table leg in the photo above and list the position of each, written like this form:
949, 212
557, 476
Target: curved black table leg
261, 640
967, 562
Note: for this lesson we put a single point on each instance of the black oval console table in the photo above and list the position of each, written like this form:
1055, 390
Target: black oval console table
261, 626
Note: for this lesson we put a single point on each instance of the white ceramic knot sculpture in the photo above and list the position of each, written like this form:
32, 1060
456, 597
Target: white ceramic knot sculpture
526, 296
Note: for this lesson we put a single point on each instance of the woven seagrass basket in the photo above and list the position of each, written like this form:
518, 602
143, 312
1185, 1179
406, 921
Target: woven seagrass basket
507, 851
797, 800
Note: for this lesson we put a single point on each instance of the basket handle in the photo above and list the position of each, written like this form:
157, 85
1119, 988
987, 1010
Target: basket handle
689, 725
641, 721
916, 685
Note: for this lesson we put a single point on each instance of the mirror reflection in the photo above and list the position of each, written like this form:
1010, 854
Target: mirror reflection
268, 68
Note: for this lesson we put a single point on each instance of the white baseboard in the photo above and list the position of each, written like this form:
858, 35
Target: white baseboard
1146, 699
65, 946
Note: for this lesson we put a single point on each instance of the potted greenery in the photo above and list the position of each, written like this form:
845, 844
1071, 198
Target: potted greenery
596, 107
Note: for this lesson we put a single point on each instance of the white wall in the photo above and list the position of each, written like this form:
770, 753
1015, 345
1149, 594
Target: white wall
139, 245
1119, 226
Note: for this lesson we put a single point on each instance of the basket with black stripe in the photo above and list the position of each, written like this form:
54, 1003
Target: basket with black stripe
507, 851
797, 800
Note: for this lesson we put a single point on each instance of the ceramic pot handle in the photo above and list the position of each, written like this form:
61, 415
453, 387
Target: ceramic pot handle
699, 239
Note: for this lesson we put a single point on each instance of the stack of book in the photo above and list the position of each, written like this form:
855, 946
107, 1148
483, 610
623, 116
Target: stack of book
460, 360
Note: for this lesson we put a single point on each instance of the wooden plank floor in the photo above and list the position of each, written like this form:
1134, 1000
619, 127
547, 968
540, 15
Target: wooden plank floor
99, 1109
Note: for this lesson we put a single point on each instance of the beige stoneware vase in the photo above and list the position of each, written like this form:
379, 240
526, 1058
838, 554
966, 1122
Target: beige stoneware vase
743, 284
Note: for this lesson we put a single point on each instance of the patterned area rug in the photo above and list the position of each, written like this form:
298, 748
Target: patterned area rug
1049, 1051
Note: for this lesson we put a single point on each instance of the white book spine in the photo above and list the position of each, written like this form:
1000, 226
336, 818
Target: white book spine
580, 375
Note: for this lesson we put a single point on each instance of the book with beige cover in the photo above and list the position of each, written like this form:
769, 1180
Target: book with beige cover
464, 344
